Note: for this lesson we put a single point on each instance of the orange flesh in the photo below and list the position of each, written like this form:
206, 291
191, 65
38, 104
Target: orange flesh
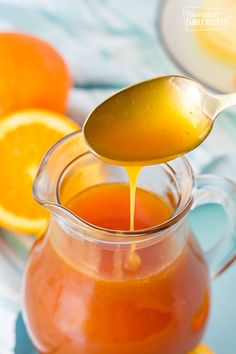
25, 136
74, 310
18, 163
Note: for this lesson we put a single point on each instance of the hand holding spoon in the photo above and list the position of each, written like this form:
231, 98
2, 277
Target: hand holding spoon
153, 121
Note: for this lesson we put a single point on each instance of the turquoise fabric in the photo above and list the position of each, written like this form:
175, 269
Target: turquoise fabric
107, 45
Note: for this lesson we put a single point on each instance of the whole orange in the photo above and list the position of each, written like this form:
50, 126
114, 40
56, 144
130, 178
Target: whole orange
32, 74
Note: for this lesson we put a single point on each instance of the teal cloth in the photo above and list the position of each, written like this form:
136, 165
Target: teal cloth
107, 45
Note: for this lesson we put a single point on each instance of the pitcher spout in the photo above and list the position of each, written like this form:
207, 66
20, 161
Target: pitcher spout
45, 188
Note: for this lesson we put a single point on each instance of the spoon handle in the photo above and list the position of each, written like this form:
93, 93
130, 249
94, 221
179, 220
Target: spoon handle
224, 101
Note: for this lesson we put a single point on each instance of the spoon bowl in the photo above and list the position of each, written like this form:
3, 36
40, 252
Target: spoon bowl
153, 121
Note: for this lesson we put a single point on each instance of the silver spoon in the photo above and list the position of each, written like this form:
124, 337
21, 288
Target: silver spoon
153, 121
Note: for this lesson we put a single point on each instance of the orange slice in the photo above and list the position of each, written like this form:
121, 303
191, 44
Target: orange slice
25, 136
201, 349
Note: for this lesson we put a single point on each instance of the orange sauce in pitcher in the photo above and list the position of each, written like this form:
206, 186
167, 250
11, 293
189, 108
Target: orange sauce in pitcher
74, 310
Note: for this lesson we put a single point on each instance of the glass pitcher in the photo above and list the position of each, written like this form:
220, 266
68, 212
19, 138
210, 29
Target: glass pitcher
79, 295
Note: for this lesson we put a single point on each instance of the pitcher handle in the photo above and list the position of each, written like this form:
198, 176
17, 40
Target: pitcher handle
219, 190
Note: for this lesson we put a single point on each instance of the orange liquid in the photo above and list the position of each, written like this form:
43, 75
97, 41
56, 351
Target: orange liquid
108, 206
110, 310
